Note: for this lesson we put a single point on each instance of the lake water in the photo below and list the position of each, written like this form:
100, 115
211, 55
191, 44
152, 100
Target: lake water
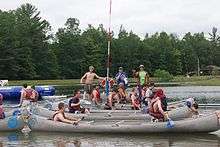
110, 140
204, 94
208, 93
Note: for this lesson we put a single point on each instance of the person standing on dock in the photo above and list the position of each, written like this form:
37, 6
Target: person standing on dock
88, 79
121, 77
142, 78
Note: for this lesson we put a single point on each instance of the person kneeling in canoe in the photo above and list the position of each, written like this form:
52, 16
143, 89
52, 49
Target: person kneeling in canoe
112, 99
135, 100
96, 96
193, 105
2, 114
74, 103
157, 108
59, 116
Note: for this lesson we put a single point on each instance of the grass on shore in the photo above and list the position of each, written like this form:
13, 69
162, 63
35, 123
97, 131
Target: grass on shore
199, 81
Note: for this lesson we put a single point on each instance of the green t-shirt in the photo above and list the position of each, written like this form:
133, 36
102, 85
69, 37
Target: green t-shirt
142, 75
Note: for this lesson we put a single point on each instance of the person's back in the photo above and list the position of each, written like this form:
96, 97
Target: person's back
96, 96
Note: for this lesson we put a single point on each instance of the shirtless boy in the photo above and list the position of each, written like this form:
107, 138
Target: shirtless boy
88, 79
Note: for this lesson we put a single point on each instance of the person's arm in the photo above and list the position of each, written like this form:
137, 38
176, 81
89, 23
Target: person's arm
161, 109
74, 105
21, 98
146, 78
71, 118
110, 101
83, 77
62, 119
132, 100
98, 77
117, 76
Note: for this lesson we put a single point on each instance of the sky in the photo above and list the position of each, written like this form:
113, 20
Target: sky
140, 16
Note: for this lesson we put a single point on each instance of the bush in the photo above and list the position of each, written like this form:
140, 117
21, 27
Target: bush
163, 75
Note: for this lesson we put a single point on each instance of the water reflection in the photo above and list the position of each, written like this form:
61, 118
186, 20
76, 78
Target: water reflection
106, 140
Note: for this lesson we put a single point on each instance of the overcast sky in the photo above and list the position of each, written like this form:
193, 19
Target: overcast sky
141, 16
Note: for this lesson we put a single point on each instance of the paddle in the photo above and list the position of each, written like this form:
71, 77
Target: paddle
15, 106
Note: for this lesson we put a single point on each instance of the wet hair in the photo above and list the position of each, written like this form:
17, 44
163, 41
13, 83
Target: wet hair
61, 105
195, 105
75, 91
25, 85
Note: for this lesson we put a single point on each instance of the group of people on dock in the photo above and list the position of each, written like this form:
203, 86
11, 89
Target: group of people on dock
143, 95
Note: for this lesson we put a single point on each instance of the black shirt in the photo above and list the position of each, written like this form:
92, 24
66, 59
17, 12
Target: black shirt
73, 100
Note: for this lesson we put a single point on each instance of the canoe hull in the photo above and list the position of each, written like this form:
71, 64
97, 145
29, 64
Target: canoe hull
204, 124
176, 114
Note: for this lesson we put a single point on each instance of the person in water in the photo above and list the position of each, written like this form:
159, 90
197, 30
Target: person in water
96, 96
135, 103
2, 113
59, 116
112, 99
88, 79
142, 79
74, 103
28, 95
121, 77
193, 105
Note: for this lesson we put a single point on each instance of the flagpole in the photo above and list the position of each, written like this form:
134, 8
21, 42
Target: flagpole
109, 48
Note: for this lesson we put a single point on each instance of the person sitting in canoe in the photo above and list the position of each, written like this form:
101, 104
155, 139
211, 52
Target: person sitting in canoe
112, 99
28, 95
2, 113
158, 105
59, 116
96, 96
74, 103
193, 105
134, 100
122, 94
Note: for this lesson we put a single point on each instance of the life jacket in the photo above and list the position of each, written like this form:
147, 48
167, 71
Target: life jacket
29, 92
111, 82
97, 95
159, 93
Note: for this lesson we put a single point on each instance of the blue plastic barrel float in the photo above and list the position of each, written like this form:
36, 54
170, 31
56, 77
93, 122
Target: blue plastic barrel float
13, 93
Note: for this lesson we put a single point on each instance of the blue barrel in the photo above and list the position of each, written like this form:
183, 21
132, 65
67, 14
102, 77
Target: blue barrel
13, 93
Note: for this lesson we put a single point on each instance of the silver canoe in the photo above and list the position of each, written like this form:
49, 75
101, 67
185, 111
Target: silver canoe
209, 123
175, 114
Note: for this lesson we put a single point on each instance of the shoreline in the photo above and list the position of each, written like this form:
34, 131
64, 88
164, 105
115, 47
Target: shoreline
177, 81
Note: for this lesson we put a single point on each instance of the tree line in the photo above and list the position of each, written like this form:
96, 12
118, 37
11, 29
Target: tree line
28, 49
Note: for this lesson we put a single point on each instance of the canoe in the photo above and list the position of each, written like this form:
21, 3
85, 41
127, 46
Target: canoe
175, 114
13, 93
10, 124
209, 123
118, 108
